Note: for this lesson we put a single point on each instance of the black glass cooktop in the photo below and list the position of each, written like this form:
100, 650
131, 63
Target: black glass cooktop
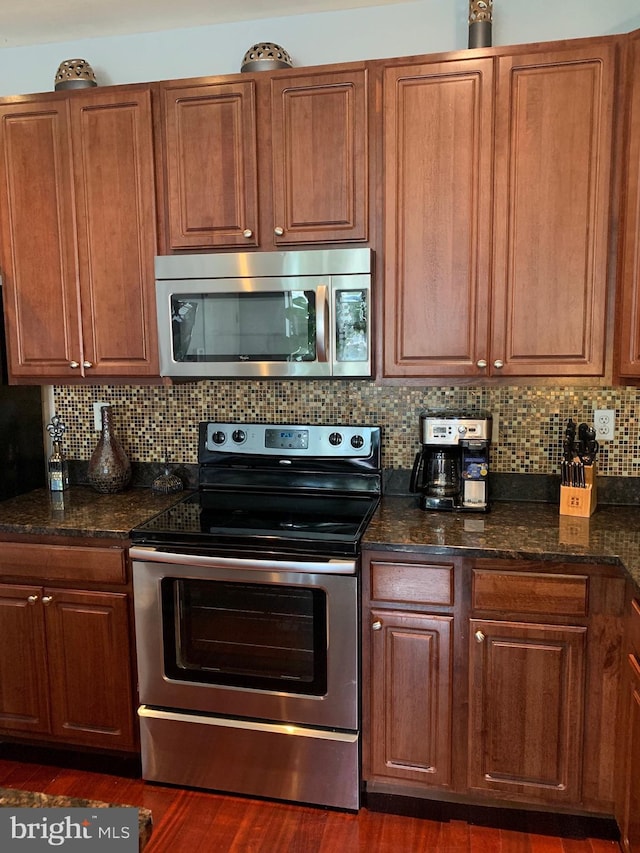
249, 521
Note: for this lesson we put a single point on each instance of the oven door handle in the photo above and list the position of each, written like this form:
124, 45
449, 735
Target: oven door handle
332, 567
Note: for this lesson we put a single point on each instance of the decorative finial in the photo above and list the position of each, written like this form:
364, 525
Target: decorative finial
74, 74
480, 18
56, 428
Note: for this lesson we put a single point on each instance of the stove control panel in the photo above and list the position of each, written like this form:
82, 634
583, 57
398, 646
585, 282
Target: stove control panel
292, 440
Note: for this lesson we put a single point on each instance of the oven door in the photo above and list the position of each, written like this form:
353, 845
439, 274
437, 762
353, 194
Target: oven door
260, 639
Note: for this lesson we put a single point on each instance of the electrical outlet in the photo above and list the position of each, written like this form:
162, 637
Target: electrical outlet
97, 415
604, 422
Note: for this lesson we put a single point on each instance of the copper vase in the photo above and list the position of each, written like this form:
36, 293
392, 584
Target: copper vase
109, 468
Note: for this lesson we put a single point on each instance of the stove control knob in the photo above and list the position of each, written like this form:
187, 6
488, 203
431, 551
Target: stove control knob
357, 441
239, 435
335, 439
218, 437
462, 429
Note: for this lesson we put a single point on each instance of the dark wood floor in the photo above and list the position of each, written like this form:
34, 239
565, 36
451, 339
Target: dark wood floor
200, 822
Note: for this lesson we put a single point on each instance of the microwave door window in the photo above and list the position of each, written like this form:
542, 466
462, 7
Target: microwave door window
351, 325
244, 326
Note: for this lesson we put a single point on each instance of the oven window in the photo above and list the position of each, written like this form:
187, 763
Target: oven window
260, 636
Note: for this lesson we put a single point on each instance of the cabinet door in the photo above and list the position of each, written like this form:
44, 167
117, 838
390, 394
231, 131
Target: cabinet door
411, 684
526, 695
89, 667
209, 146
629, 278
551, 222
115, 196
38, 240
631, 827
24, 694
319, 143
438, 122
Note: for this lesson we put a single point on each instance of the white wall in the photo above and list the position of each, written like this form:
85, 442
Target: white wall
425, 26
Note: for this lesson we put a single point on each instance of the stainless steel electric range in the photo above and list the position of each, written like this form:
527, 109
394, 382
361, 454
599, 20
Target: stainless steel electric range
247, 614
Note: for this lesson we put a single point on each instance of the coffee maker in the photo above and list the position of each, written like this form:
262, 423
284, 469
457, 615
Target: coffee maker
451, 470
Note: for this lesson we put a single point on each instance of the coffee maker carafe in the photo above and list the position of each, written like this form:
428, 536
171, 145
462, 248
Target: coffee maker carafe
451, 470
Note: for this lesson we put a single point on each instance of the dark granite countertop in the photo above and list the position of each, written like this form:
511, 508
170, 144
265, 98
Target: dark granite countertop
81, 511
517, 530
512, 529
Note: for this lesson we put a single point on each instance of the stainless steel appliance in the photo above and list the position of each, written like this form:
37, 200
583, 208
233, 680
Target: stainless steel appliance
451, 470
246, 614
295, 313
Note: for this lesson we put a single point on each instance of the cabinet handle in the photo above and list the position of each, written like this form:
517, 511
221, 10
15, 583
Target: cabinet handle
377, 625
32, 599
74, 364
47, 599
498, 363
480, 637
481, 363
87, 364
247, 233
278, 231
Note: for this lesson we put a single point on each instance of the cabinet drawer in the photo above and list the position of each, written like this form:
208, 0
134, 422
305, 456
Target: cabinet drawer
530, 592
415, 583
634, 627
61, 562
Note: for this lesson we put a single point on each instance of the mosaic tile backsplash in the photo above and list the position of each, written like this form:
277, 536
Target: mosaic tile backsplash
154, 423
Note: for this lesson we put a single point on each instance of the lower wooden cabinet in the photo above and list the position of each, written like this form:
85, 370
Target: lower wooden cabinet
411, 676
492, 680
24, 683
526, 709
628, 806
410, 655
65, 656
63, 669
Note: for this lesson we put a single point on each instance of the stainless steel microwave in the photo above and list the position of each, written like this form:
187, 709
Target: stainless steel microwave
265, 314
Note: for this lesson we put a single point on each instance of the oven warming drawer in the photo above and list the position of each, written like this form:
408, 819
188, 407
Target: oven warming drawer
247, 757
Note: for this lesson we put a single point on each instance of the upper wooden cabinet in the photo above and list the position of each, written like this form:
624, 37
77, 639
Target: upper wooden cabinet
629, 266
77, 235
319, 151
438, 152
210, 162
267, 161
497, 214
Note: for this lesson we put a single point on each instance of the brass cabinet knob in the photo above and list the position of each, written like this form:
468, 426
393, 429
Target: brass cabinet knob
32, 599
480, 637
278, 231
498, 363
247, 233
377, 625
481, 363
47, 599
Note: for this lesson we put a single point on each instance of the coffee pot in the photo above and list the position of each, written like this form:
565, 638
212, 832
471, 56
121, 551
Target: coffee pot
451, 470
443, 476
